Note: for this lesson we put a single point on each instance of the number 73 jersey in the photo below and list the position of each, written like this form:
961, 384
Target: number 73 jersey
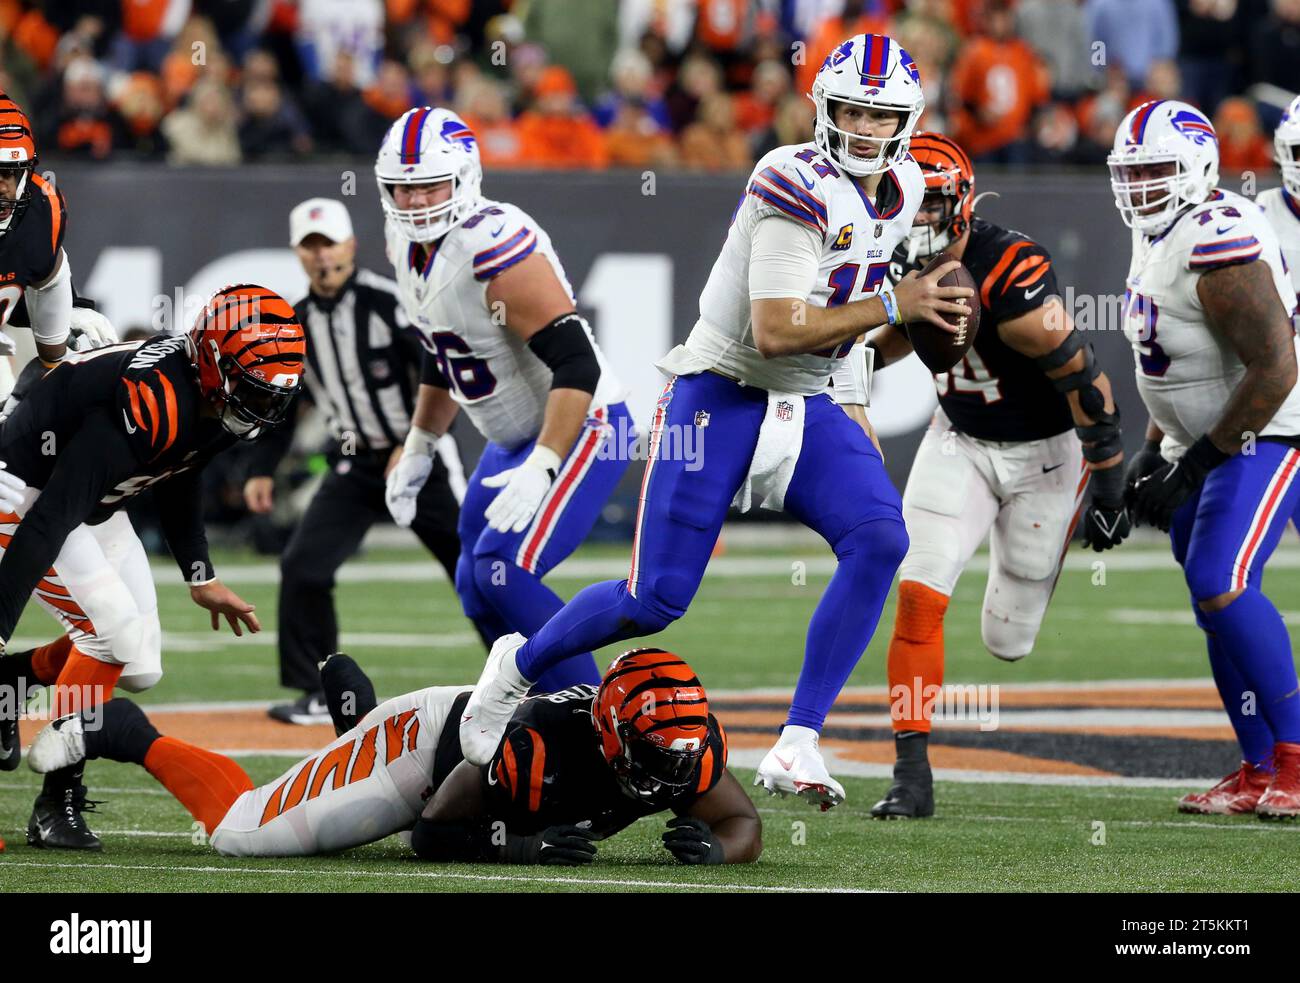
490, 371
1186, 372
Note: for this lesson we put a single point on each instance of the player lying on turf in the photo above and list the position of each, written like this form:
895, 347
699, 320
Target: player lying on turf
483, 285
1024, 422
90, 434
796, 283
1208, 312
574, 768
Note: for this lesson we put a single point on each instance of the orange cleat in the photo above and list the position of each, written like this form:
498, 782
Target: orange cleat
1239, 792
1282, 799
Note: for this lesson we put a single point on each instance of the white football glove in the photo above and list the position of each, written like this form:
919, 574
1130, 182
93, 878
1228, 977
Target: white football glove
522, 490
89, 329
409, 475
12, 488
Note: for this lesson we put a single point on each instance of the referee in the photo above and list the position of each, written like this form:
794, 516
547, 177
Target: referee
363, 366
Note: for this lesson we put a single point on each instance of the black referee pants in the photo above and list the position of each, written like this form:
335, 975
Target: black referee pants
349, 501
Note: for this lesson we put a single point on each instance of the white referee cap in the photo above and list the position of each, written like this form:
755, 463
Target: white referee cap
324, 215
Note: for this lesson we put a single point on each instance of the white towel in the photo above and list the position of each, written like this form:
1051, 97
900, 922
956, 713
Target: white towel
780, 439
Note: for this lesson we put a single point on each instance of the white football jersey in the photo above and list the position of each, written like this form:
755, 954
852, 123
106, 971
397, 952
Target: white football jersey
1185, 371
493, 374
1283, 213
799, 183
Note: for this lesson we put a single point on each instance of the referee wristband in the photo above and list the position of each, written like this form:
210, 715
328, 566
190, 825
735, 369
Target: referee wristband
422, 442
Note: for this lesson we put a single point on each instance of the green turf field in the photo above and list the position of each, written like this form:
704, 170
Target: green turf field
744, 631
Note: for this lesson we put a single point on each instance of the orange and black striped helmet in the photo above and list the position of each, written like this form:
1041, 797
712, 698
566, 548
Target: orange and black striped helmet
652, 716
249, 349
17, 157
950, 175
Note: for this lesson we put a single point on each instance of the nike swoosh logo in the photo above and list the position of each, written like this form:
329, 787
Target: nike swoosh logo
1031, 294
8, 752
491, 777
787, 765
127, 419
1219, 232
1047, 470
467, 718
503, 225
806, 183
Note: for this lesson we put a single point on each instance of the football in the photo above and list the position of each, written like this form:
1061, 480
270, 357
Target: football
939, 349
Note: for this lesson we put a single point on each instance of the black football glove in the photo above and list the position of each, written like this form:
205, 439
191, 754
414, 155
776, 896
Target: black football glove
1142, 463
1105, 521
555, 846
692, 842
1154, 499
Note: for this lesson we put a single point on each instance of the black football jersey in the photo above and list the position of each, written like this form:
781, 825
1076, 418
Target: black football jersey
94, 431
549, 770
30, 247
995, 392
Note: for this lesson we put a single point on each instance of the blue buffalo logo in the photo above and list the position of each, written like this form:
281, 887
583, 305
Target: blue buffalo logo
1194, 127
454, 131
838, 56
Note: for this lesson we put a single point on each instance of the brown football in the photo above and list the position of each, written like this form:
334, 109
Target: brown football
938, 349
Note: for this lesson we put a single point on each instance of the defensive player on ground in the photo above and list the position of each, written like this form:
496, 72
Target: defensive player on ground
574, 768
90, 434
482, 283
1025, 420
798, 280
1208, 311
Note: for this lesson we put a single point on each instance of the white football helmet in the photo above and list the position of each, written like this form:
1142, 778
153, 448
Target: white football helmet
426, 146
867, 70
1164, 131
1286, 141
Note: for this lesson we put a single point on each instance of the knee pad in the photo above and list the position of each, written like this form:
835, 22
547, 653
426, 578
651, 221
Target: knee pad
881, 543
1205, 580
1006, 638
136, 643
653, 608
138, 682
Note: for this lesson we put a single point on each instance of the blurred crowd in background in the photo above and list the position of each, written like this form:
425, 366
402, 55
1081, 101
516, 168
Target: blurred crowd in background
704, 85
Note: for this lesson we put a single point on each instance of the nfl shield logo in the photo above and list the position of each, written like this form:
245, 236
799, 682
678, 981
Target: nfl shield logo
880, 229
701, 418
784, 411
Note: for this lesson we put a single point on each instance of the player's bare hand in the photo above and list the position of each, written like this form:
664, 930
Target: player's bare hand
259, 495
223, 602
920, 298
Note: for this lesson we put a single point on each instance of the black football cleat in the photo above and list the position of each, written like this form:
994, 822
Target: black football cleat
912, 794
349, 693
57, 822
310, 708
10, 678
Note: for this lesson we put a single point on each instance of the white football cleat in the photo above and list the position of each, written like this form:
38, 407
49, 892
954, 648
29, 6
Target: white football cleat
499, 692
60, 744
795, 767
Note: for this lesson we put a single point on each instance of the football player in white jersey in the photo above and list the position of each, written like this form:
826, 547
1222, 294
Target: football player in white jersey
1282, 205
799, 278
482, 283
1208, 312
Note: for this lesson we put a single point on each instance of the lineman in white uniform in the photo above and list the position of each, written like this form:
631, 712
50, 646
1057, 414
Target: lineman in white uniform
483, 285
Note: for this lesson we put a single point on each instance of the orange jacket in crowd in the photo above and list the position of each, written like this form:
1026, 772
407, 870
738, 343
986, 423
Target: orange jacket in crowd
561, 141
997, 85
499, 142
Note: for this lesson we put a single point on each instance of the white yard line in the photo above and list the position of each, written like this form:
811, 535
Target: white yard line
446, 876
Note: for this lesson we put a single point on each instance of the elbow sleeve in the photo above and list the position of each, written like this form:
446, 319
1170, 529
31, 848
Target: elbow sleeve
565, 346
49, 308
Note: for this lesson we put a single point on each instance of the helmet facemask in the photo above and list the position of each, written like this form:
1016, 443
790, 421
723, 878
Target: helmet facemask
251, 406
835, 142
1152, 189
431, 223
931, 238
22, 195
1286, 149
646, 770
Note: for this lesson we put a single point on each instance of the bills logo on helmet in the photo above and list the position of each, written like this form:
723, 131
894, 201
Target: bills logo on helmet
839, 55
1194, 127
909, 65
454, 131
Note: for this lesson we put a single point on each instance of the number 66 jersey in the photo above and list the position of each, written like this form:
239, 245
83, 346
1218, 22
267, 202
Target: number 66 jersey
1186, 372
490, 371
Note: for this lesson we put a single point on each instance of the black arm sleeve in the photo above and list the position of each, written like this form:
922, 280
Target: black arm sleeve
430, 374
179, 503
565, 347
92, 463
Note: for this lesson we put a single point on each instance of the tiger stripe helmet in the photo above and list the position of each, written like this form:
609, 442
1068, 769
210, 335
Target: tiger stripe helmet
652, 716
17, 153
249, 349
949, 175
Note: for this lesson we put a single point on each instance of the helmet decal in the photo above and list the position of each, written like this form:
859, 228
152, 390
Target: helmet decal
1194, 127
455, 131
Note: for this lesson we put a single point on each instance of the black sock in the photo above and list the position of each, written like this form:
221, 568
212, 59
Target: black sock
121, 732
